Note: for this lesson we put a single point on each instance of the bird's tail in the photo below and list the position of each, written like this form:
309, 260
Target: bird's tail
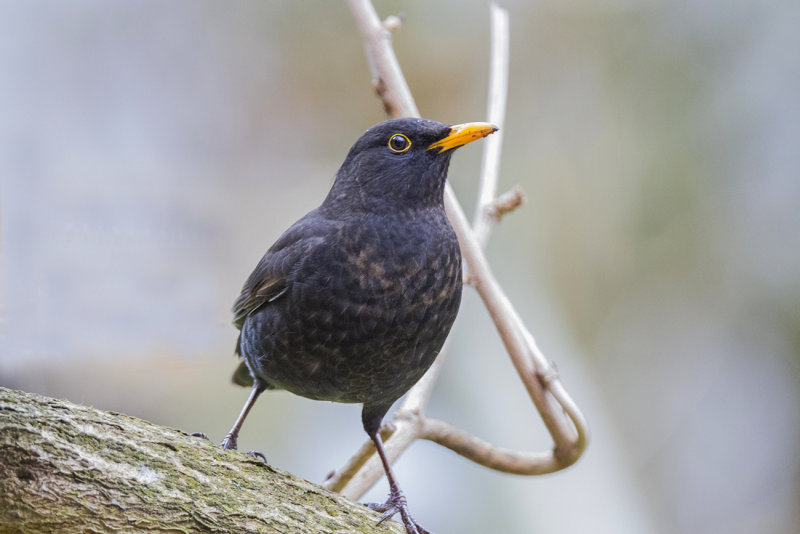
242, 376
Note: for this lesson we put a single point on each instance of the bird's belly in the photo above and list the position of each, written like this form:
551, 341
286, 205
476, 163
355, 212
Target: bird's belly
361, 339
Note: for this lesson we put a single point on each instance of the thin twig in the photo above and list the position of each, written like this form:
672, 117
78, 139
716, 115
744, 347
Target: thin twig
506, 203
486, 454
570, 433
387, 78
496, 114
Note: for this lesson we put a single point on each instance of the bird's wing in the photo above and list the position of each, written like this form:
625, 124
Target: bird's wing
270, 280
266, 284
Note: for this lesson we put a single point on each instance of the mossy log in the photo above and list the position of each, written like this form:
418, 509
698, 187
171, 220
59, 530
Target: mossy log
71, 468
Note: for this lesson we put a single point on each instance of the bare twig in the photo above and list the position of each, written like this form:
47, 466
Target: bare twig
559, 413
506, 203
387, 78
393, 22
496, 112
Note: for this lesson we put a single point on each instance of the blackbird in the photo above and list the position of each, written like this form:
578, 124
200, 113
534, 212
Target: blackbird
354, 301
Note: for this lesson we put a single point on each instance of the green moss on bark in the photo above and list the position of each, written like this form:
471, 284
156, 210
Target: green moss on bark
71, 468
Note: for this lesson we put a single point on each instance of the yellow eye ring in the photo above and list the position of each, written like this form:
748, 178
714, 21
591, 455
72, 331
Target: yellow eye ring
399, 143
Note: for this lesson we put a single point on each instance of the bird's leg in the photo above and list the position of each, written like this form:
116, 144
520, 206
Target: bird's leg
230, 439
396, 501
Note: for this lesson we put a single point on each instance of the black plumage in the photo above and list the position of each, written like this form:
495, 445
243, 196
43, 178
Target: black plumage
354, 301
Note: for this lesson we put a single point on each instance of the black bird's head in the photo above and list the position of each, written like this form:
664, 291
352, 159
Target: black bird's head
399, 164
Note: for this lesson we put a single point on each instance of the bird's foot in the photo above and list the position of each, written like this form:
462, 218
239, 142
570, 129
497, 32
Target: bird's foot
258, 455
394, 504
229, 443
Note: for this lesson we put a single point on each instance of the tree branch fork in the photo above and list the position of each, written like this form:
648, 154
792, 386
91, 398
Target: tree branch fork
560, 414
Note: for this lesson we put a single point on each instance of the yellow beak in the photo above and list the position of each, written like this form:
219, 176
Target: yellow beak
461, 134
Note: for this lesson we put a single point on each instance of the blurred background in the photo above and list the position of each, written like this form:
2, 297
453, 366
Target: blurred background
150, 152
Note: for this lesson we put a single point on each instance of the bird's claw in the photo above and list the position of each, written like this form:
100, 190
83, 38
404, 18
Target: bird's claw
394, 504
258, 455
229, 443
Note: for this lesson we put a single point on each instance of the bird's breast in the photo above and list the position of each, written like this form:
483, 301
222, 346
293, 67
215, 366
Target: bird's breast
368, 313
416, 263
382, 278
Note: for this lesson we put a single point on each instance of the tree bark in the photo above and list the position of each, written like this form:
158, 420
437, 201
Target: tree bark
71, 468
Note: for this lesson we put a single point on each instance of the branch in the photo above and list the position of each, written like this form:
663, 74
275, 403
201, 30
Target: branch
71, 468
495, 114
559, 413
387, 78
506, 203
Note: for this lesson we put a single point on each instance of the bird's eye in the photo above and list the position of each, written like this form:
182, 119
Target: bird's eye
399, 143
